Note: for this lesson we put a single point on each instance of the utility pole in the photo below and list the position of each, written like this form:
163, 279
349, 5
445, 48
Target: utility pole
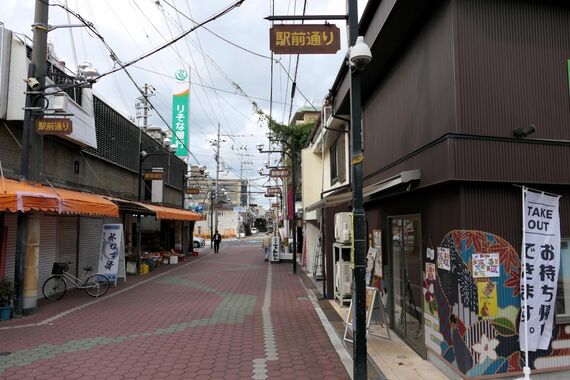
217, 200
28, 227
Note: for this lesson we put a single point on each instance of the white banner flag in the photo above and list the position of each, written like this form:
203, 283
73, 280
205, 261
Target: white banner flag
540, 267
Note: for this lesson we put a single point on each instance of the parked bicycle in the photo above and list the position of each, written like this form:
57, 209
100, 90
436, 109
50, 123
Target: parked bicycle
54, 288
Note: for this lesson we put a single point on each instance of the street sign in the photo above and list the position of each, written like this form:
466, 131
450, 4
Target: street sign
54, 126
304, 39
192, 190
155, 176
273, 190
275, 205
279, 173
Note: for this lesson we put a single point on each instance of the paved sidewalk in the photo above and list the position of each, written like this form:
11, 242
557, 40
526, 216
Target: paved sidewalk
226, 316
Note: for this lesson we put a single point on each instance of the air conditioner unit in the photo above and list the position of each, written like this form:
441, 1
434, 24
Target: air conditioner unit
342, 227
343, 278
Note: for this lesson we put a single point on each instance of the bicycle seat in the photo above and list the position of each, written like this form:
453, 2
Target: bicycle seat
88, 268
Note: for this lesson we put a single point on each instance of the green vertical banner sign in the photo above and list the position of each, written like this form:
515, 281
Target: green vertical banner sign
180, 108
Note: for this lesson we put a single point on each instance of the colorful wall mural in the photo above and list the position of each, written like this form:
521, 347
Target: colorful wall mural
471, 310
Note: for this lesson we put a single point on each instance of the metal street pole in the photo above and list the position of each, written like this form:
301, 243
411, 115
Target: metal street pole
139, 197
359, 290
27, 239
294, 185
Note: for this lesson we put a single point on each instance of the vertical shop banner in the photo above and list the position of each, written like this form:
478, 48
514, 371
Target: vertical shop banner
275, 248
180, 114
539, 272
112, 255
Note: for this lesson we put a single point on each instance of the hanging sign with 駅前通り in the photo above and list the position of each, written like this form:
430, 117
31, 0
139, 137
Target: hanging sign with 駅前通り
304, 39
53, 126
279, 173
540, 269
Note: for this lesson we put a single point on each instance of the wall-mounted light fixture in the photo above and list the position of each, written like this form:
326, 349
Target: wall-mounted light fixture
524, 131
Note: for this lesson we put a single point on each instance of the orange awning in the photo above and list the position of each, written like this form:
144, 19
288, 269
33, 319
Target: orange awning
24, 196
170, 213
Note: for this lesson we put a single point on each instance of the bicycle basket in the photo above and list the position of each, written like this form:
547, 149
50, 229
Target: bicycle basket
59, 268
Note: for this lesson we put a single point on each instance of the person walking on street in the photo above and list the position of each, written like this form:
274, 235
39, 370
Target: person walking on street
266, 244
217, 238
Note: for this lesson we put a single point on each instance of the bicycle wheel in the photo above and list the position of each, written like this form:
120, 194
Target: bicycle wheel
54, 288
97, 285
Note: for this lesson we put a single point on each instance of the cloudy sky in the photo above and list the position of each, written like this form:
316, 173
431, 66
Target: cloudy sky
218, 68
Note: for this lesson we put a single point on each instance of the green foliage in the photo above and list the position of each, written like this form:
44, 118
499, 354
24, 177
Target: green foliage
7, 292
296, 134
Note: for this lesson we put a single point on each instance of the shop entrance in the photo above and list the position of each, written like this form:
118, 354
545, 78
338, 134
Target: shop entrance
407, 310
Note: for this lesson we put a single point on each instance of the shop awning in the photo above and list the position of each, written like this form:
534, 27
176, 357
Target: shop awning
170, 213
131, 207
368, 191
24, 196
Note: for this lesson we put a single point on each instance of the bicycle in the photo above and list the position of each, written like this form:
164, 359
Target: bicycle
54, 288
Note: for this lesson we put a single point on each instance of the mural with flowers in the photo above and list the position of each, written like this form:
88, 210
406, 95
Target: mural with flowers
467, 337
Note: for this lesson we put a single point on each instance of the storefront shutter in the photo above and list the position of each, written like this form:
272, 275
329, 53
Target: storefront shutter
90, 230
67, 241
48, 249
10, 223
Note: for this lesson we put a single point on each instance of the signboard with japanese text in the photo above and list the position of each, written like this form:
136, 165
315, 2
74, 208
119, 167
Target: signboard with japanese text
540, 268
443, 258
304, 39
112, 255
275, 247
279, 173
53, 126
192, 190
487, 299
486, 265
273, 190
155, 176
180, 114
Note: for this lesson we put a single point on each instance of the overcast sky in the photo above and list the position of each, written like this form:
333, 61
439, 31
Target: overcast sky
135, 27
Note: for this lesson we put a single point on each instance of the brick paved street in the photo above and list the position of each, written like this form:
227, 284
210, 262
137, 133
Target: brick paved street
226, 316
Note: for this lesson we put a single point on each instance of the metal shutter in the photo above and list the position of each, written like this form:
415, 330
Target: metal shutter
10, 223
90, 230
67, 241
48, 249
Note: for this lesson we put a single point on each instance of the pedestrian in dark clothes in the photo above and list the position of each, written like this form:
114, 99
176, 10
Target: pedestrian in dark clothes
217, 239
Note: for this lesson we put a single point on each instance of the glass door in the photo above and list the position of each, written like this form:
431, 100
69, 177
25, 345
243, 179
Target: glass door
407, 316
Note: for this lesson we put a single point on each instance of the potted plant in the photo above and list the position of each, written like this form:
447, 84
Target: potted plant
7, 294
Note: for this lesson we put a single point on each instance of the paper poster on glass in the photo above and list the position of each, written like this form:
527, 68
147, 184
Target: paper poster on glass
443, 258
431, 272
486, 265
430, 253
487, 296
370, 259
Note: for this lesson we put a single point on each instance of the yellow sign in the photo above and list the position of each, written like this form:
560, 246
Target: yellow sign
304, 39
487, 295
53, 126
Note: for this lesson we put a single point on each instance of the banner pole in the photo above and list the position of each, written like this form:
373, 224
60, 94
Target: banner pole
526, 368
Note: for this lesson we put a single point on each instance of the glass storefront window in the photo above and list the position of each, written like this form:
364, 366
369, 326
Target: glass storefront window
563, 292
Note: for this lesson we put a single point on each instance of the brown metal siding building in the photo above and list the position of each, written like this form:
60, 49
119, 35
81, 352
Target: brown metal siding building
449, 83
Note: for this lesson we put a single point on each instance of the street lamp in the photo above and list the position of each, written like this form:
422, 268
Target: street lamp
292, 156
359, 56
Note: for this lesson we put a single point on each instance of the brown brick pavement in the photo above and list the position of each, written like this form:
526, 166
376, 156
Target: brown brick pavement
201, 319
